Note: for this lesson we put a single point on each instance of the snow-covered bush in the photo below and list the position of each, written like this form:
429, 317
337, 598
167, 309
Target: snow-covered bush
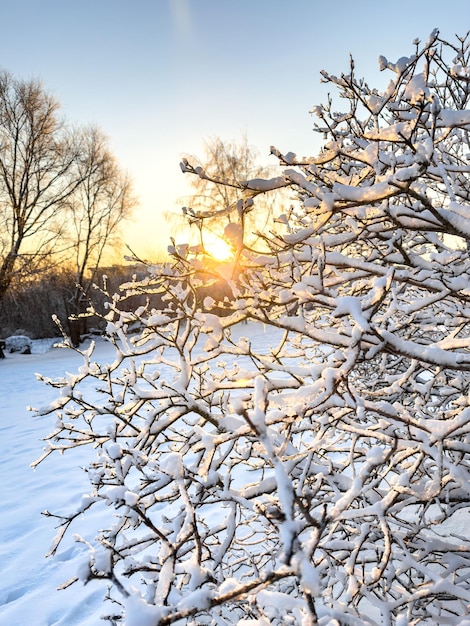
320, 476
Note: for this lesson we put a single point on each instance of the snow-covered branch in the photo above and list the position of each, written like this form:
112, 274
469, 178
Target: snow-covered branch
293, 448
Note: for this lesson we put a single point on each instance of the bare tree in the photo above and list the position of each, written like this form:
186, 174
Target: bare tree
37, 177
101, 202
215, 206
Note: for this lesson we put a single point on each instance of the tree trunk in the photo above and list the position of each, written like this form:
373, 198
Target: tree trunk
6, 274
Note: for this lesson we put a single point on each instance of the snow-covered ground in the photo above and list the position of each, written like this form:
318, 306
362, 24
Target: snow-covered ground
28, 580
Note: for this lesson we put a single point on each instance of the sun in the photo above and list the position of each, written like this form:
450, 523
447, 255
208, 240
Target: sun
218, 249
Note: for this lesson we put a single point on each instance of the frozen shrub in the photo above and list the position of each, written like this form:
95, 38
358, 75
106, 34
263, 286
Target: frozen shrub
314, 478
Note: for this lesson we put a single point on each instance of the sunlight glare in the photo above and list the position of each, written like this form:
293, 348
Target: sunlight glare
218, 249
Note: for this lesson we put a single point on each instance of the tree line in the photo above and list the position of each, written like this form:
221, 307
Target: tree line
63, 201
63, 196
40, 308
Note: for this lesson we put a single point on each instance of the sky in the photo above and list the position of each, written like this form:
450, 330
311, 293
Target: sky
161, 77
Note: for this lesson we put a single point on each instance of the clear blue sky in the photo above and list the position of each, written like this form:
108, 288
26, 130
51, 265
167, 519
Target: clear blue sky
161, 76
